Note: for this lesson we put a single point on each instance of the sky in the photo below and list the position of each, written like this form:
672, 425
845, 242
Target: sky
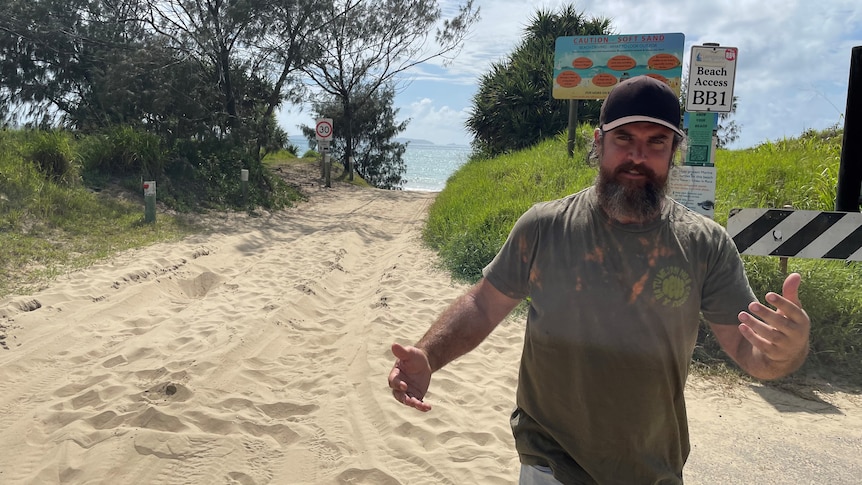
792, 71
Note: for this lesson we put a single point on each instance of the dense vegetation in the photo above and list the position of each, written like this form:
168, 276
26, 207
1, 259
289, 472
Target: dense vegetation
471, 218
55, 214
195, 86
513, 107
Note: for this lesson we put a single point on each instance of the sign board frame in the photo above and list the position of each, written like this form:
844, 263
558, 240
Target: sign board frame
589, 66
323, 129
711, 76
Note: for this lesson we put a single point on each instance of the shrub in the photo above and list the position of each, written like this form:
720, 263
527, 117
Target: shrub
51, 153
124, 151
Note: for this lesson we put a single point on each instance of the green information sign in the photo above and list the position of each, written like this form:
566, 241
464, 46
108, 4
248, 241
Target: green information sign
701, 126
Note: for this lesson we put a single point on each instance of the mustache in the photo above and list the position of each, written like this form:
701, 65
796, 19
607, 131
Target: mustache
635, 168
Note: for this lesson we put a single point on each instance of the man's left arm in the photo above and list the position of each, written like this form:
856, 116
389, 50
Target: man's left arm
769, 343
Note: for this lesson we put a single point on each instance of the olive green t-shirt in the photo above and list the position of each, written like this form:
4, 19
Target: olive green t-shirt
612, 323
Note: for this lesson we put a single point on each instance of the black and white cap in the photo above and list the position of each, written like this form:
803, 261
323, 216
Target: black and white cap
641, 98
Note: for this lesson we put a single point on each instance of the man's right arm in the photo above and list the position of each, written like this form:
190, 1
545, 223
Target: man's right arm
465, 324
461, 327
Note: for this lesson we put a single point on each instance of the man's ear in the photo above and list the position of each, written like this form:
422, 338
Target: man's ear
597, 142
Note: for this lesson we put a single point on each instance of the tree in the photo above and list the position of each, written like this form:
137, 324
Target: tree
51, 49
180, 68
369, 43
513, 107
728, 130
378, 157
251, 50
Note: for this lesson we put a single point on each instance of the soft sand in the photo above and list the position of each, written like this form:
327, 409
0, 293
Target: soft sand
259, 354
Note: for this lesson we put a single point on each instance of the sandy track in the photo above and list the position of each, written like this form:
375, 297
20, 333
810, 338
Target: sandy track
258, 353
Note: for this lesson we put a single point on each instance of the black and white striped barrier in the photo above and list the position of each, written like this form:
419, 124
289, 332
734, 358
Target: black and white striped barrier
797, 233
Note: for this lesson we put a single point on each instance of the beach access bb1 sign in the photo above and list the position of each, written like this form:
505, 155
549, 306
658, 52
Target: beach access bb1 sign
712, 70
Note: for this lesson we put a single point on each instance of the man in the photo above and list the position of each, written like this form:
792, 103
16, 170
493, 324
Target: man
618, 276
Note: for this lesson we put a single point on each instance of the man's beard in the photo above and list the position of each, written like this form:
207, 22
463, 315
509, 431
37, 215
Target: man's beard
628, 200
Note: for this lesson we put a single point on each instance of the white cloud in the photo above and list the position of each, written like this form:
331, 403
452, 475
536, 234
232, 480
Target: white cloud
439, 124
792, 72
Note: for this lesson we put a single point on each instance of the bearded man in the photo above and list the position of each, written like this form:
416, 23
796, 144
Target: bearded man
618, 277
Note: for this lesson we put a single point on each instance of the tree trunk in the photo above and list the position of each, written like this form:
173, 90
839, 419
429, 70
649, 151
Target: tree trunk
348, 140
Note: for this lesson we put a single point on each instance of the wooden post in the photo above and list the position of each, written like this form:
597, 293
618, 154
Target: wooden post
327, 164
573, 127
782, 261
850, 170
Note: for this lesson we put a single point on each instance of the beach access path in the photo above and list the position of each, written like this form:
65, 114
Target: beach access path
258, 353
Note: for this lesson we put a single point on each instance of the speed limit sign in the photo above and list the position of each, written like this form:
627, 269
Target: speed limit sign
323, 129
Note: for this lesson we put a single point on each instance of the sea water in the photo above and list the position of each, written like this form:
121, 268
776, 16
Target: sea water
429, 166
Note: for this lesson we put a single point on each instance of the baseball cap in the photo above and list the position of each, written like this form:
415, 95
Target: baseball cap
641, 98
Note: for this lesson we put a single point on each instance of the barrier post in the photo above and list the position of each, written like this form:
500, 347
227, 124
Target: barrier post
848, 197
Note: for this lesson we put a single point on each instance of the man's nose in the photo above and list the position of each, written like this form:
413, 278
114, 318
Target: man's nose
638, 152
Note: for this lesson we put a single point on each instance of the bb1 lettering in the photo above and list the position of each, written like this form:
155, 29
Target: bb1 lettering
709, 98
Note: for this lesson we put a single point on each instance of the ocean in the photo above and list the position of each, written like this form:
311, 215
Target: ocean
429, 165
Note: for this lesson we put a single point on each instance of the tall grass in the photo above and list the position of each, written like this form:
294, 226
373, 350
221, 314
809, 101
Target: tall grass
799, 172
49, 224
55, 215
471, 218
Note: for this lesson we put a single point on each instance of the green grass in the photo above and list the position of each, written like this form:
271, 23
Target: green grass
473, 215
56, 217
50, 223
48, 226
800, 172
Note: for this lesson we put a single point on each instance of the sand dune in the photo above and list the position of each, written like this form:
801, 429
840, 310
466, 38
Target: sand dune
258, 353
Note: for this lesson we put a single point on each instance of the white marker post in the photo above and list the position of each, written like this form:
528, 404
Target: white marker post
327, 164
150, 201
243, 179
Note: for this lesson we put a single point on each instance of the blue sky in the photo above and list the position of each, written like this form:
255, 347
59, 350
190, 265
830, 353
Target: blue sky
791, 75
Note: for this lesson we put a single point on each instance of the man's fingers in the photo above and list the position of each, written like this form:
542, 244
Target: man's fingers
790, 288
410, 401
408, 377
399, 351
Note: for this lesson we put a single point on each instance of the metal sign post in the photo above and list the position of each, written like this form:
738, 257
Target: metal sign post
325, 163
709, 92
323, 133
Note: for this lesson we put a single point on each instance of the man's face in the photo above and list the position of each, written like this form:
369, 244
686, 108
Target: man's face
634, 163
